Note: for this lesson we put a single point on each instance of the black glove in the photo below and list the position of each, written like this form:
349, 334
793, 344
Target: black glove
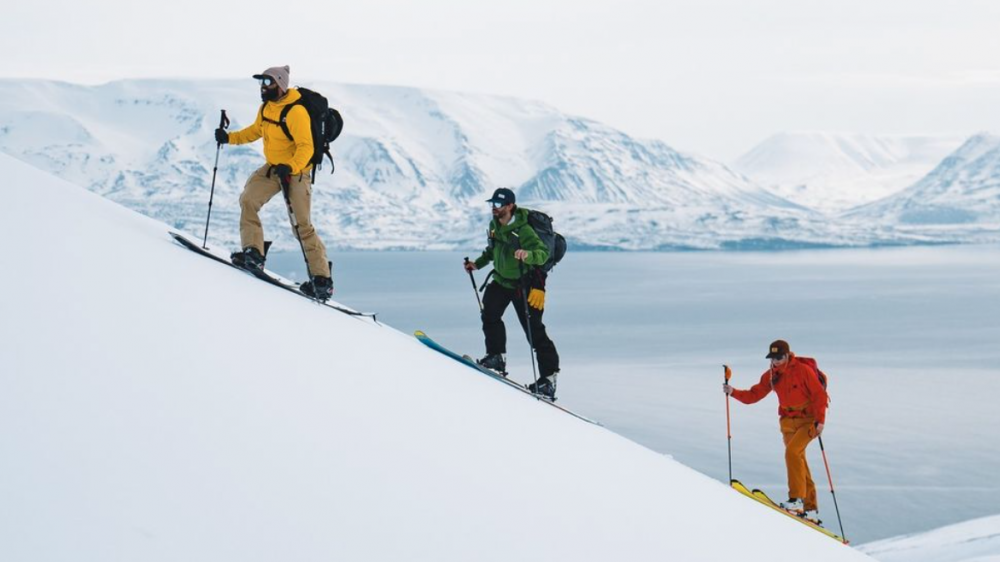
284, 172
221, 136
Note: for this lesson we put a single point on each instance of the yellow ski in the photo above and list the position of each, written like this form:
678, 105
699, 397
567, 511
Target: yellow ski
762, 498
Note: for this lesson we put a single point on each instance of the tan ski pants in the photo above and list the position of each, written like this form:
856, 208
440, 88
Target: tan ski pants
258, 191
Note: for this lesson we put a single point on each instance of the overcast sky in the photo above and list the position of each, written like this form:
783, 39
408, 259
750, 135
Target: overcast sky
708, 76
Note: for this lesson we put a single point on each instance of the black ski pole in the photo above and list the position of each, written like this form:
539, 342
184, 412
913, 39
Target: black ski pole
473, 279
527, 314
223, 124
286, 188
832, 493
729, 435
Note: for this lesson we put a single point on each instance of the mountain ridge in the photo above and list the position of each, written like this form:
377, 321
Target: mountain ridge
413, 168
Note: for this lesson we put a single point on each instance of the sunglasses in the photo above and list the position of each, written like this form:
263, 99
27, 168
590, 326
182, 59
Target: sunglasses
267, 82
497, 204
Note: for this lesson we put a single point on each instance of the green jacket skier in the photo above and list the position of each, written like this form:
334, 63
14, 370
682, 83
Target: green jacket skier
516, 252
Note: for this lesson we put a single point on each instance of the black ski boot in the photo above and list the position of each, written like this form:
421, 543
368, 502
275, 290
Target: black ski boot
494, 362
320, 288
249, 258
545, 387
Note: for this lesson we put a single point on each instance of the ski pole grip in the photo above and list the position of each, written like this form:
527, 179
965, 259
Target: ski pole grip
728, 372
223, 120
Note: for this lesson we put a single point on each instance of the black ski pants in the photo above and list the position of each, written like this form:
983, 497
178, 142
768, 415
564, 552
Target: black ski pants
495, 302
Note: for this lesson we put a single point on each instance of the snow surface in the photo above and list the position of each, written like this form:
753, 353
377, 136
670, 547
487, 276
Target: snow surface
837, 171
156, 405
414, 167
971, 541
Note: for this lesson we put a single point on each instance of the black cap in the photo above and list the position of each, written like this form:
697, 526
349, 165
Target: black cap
778, 348
502, 195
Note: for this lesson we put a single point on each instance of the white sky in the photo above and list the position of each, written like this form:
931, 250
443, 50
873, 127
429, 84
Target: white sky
709, 76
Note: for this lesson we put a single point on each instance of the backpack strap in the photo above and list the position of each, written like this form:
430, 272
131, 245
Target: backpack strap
281, 122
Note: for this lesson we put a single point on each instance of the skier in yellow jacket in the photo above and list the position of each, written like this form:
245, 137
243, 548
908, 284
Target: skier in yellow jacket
288, 163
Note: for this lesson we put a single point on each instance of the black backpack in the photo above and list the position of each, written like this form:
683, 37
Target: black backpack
542, 225
325, 121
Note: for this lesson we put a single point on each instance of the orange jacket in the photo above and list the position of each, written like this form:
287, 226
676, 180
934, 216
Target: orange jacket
800, 394
277, 148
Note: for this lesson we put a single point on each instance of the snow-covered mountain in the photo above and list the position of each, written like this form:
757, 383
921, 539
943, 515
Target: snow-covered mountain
972, 541
961, 192
139, 420
413, 166
836, 171
413, 170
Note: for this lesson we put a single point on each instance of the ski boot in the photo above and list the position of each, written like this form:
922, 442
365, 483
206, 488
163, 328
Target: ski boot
250, 258
793, 505
320, 288
494, 362
545, 387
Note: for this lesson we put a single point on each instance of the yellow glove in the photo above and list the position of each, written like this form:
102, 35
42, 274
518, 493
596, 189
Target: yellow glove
536, 298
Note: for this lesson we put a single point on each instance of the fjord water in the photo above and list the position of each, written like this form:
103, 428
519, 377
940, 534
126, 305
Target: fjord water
910, 338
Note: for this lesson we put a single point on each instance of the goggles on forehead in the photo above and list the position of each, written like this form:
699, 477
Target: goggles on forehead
267, 81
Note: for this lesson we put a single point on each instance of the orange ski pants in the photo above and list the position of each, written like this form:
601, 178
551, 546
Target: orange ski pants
797, 433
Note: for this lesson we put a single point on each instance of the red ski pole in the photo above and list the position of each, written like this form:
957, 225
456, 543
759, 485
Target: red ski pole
729, 435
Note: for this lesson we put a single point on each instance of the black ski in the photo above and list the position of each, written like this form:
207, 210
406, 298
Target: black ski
263, 275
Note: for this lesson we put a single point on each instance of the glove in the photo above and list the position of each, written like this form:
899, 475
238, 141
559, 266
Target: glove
470, 266
284, 172
221, 136
536, 298
728, 390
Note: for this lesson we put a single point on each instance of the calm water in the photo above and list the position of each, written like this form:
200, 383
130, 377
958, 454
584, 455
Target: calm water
910, 338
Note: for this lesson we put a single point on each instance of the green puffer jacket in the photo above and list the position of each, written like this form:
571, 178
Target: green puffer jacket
503, 242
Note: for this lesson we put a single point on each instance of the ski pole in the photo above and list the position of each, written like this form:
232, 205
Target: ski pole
832, 493
527, 312
729, 436
286, 188
473, 279
223, 124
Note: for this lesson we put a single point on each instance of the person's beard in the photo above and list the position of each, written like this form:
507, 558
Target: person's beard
503, 216
268, 94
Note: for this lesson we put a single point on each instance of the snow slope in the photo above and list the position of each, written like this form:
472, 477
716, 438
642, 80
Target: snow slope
972, 541
836, 171
156, 405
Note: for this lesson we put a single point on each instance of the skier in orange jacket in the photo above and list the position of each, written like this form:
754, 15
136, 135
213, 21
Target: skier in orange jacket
802, 402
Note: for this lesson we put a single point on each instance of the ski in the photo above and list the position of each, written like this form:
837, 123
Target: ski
762, 498
468, 361
760, 495
267, 277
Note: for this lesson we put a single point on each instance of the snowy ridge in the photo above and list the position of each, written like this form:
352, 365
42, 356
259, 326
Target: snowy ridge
837, 171
413, 169
971, 541
964, 189
140, 425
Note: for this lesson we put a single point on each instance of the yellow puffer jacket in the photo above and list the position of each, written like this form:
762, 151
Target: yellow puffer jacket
277, 148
